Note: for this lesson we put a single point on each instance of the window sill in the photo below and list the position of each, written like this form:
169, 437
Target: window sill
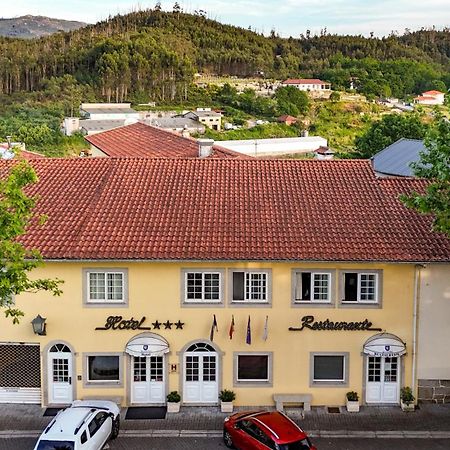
121, 304
312, 304
361, 305
329, 384
247, 304
103, 384
202, 304
252, 384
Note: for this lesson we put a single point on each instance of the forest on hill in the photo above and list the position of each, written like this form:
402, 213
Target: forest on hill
153, 55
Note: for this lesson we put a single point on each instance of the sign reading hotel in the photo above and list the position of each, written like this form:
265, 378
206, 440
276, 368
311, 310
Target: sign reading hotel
119, 323
308, 322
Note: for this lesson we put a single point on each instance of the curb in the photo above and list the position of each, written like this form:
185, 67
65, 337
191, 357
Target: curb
335, 434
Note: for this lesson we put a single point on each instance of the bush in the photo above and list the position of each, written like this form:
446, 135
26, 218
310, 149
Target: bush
406, 395
352, 396
227, 396
173, 397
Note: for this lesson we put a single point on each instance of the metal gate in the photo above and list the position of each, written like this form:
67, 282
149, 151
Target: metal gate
20, 373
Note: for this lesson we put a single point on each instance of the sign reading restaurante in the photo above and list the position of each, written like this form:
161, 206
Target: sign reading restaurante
327, 324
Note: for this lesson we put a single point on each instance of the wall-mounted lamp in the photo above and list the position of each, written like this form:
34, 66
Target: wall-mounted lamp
39, 325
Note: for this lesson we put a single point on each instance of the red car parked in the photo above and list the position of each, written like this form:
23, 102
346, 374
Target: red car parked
261, 430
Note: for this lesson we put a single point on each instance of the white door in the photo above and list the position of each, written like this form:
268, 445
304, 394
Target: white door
383, 378
148, 375
60, 375
200, 374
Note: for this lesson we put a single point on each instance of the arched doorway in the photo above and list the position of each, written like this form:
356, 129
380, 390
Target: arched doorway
383, 354
200, 373
148, 368
59, 369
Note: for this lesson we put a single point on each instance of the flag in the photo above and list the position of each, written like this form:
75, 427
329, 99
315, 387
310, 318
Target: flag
231, 327
248, 340
213, 326
266, 331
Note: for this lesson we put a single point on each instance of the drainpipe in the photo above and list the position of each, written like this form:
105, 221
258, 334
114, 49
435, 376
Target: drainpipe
417, 279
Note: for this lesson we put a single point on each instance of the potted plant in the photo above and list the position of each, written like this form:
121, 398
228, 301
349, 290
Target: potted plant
226, 398
173, 402
352, 401
407, 399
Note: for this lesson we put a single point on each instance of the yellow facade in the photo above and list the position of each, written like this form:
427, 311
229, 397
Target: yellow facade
155, 292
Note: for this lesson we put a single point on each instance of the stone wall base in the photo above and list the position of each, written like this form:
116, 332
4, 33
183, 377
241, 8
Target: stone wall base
434, 391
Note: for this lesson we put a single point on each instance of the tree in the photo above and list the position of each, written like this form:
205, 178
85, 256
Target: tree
388, 130
291, 101
434, 164
16, 212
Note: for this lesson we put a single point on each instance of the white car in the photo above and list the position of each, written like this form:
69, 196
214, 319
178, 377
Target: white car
85, 425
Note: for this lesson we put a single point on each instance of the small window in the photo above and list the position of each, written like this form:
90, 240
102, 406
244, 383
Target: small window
103, 369
253, 368
251, 287
329, 369
202, 287
106, 286
360, 287
312, 286
83, 438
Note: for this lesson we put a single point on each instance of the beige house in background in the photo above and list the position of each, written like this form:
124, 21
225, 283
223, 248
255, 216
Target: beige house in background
207, 117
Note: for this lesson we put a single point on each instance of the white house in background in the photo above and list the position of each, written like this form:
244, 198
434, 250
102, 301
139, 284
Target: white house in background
308, 84
205, 116
277, 146
430, 98
98, 117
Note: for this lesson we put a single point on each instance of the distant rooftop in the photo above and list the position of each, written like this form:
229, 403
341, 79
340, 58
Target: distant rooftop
396, 159
100, 125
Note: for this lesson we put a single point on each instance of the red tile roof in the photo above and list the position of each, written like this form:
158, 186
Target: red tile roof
304, 81
144, 141
191, 209
432, 93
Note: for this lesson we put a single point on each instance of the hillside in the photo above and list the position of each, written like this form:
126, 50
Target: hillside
29, 27
153, 55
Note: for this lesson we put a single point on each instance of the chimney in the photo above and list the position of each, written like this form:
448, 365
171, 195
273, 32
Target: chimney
205, 147
8, 139
305, 133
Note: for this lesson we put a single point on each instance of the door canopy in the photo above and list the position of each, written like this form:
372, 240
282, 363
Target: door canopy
384, 344
149, 344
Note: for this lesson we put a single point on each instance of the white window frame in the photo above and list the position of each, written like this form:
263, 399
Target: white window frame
298, 272
105, 301
203, 300
330, 382
88, 382
253, 382
247, 283
358, 288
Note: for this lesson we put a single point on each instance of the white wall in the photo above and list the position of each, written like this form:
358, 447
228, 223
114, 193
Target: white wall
434, 323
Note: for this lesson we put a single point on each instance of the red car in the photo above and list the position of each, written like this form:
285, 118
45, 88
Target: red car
261, 430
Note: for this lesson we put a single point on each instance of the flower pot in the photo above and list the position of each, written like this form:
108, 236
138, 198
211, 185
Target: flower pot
352, 406
173, 407
407, 407
226, 407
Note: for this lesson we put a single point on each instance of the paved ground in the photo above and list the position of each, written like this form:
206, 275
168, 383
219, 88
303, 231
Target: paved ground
427, 418
216, 444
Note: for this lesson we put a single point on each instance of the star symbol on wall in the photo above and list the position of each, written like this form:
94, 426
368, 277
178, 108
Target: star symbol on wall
168, 325
179, 325
156, 325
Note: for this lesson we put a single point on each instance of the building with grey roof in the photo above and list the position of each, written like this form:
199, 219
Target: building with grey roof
395, 160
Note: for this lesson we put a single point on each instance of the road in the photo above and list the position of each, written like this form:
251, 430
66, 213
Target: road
189, 443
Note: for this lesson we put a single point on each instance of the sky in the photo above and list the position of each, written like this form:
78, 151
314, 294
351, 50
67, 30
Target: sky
287, 17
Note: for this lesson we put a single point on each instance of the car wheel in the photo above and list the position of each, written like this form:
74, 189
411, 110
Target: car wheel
115, 427
227, 439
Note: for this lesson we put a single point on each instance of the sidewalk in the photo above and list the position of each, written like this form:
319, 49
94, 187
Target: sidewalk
371, 421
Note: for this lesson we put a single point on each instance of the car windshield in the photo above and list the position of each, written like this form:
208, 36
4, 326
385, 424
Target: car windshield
304, 444
56, 445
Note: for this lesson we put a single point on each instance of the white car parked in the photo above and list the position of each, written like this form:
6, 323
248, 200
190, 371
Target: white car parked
85, 425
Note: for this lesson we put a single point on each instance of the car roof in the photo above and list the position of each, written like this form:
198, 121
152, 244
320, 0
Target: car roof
280, 427
67, 422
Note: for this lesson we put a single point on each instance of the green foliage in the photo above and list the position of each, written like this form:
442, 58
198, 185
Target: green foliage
271, 130
388, 130
16, 211
406, 395
352, 396
227, 396
173, 397
335, 96
435, 165
291, 101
